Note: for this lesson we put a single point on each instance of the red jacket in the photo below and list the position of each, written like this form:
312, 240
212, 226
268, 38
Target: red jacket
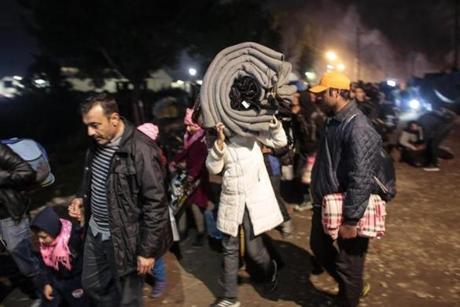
195, 157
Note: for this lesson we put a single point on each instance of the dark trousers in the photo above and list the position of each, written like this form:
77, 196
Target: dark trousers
434, 141
301, 189
345, 264
276, 184
67, 290
415, 158
100, 279
255, 250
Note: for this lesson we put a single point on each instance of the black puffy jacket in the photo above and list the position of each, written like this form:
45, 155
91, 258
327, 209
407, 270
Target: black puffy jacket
136, 199
16, 176
353, 161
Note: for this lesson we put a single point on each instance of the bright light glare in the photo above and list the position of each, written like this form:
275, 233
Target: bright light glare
310, 75
331, 55
414, 104
391, 83
340, 67
330, 67
199, 82
192, 71
18, 78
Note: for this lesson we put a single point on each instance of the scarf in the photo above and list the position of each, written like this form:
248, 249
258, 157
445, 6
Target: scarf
58, 251
189, 139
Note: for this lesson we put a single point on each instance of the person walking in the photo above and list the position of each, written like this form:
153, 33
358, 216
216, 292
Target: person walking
247, 200
125, 206
347, 161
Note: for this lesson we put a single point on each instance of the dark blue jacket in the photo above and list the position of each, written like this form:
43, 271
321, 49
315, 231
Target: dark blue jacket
351, 164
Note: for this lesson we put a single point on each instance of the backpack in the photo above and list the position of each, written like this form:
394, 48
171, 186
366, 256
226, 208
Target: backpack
385, 178
35, 155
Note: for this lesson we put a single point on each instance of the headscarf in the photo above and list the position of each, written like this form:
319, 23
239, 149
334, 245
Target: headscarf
189, 139
58, 251
149, 130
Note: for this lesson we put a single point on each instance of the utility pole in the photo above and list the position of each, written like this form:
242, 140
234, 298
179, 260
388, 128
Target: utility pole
358, 54
456, 11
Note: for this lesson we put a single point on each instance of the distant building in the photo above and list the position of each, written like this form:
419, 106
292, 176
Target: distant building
157, 80
10, 86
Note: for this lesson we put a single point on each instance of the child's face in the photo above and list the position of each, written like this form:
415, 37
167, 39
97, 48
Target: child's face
191, 129
45, 238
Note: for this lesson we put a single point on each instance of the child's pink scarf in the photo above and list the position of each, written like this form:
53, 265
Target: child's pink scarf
189, 139
58, 251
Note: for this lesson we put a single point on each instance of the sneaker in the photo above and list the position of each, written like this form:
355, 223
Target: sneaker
225, 302
158, 289
303, 206
431, 169
366, 289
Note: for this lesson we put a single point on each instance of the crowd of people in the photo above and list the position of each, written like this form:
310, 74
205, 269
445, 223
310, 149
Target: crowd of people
325, 147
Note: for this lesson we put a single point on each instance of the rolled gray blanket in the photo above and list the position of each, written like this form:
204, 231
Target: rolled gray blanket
263, 64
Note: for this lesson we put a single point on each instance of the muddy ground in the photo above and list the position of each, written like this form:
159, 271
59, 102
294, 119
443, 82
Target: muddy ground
417, 263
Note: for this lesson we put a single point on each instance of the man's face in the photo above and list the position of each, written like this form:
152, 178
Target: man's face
100, 127
360, 94
414, 127
327, 100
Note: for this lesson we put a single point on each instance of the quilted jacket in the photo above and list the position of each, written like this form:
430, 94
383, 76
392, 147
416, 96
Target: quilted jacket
347, 161
245, 183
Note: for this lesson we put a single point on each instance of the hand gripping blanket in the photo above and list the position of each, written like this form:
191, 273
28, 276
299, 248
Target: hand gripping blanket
234, 64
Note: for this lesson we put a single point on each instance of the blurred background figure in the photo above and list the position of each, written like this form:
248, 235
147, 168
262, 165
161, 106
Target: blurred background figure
412, 144
194, 155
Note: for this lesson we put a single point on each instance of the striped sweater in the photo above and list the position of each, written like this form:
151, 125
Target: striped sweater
100, 169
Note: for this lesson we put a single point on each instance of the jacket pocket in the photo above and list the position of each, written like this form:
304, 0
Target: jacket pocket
125, 188
230, 185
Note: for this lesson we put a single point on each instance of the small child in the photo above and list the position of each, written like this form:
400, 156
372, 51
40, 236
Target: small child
158, 271
61, 259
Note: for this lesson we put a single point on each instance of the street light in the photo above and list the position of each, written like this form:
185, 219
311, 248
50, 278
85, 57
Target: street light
391, 83
340, 67
192, 71
331, 55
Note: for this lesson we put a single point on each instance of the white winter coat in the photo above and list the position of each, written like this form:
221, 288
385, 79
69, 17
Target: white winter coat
246, 182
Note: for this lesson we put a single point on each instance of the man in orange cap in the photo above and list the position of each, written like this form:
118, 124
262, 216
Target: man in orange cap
346, 162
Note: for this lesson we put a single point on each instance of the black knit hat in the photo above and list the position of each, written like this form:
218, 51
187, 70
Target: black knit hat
47, 220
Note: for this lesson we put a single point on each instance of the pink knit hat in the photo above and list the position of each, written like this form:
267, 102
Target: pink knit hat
149, 130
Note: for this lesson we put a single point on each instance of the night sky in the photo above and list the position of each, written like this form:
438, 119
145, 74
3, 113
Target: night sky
405, 31
17, 47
